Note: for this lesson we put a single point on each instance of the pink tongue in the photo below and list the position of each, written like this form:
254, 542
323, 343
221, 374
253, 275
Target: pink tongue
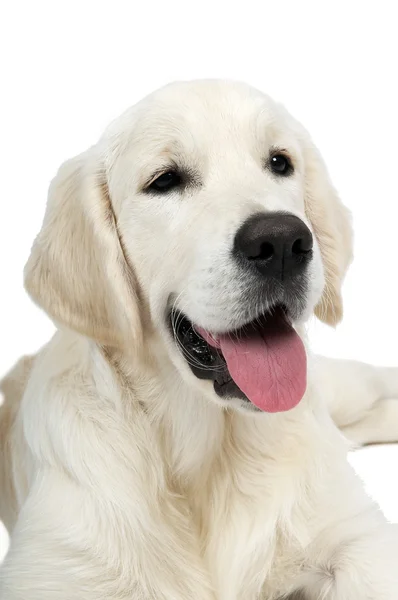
269, 365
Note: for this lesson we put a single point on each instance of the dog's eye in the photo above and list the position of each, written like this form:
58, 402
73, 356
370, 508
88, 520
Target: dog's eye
166, 182
280, 164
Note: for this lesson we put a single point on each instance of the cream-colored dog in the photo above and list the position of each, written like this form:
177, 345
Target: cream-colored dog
175, 439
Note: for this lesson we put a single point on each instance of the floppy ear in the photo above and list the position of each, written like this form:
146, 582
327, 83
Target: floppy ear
77, 271
331, 222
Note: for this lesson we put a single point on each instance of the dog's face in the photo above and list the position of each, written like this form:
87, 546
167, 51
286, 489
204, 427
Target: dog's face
204, 215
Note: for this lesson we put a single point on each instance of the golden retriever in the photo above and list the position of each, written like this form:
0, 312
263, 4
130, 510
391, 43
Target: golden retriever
176, 439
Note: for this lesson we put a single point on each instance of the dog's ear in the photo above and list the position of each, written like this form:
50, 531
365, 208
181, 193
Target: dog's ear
77, 271
331, 222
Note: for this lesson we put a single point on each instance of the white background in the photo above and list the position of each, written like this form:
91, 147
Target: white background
69, 67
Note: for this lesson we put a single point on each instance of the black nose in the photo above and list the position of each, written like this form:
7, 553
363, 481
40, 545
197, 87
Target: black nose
277, 244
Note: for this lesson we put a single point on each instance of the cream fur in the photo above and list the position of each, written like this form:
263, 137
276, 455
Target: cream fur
121, 476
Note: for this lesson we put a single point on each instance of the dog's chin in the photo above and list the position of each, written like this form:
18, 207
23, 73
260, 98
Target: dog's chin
207, 362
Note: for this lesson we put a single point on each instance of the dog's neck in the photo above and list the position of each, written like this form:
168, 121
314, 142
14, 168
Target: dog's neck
198, 436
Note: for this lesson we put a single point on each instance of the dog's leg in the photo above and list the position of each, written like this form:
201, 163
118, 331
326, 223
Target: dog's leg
11, 391
72, 543
357, 568
362, 399
353, 555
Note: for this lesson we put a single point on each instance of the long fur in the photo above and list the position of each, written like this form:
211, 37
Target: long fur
121, 476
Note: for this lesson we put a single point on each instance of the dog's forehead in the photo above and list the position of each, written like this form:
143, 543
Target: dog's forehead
201, 113
206, 98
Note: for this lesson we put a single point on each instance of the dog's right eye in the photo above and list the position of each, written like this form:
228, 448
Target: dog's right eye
165, 182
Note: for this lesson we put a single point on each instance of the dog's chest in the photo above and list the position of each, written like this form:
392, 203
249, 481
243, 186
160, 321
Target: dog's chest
244, 522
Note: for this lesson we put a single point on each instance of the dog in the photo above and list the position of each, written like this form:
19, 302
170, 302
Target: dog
177, 439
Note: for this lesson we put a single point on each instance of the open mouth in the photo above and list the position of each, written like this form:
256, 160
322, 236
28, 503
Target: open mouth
264, 362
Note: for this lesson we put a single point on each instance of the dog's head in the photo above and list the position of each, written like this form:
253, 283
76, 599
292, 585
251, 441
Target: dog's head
203, 219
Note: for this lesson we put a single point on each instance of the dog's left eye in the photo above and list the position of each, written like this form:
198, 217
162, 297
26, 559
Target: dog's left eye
165, 182
280, 164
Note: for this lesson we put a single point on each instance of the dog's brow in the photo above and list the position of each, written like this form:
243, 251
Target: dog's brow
172, 158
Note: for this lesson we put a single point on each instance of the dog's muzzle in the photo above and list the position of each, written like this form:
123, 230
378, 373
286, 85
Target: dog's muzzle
263, 360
